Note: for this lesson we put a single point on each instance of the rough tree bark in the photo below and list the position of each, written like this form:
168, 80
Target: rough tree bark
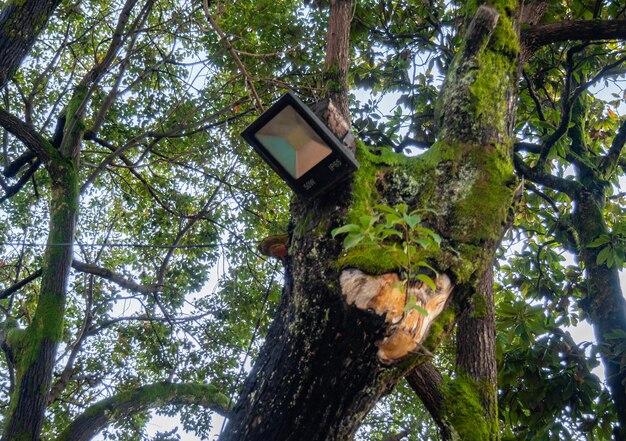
20, 24
338, 54
34, 349
338, 343
604, 303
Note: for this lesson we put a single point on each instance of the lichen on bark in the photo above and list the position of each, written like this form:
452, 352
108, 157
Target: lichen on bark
465, 193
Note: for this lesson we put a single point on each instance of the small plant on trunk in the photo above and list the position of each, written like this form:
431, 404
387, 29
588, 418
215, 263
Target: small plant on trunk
400, 233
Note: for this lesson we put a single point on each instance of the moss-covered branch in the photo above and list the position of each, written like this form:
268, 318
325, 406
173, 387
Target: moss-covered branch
126, 404
35, 347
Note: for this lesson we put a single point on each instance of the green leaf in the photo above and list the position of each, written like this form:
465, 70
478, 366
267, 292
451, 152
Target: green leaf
427, 280
412, 304
425, 265
392, 219
390, 232
349, 228
599, 241
412, 220
401, 208
367, 220
603, 255
352, 240
386, 209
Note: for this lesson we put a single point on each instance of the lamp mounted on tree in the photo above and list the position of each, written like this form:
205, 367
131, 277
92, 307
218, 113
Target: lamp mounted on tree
300, 147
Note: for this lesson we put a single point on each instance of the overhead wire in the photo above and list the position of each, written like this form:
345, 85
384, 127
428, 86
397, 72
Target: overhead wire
127, 245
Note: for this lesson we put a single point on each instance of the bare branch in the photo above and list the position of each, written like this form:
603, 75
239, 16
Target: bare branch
233, 53
25, 281
25, 133
570, 188
543, 34
113, 277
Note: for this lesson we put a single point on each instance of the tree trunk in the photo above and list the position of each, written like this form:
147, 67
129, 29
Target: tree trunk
428, 384
340, 340
604, 303
338, 54
476, 345
20, 24
475, 366
34, 349
318, 373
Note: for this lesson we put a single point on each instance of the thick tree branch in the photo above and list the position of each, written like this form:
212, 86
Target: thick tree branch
14, 189
12, 168
337, 59
571, 188
527, 147
479, 30
113, 277
543, 34
17, 286
126, 404
25, 133
427, 383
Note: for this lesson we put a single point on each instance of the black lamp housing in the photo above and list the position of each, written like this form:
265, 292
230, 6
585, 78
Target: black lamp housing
300, 147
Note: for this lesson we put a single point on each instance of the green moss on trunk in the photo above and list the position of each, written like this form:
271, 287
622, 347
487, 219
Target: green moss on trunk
464, 410
468, 188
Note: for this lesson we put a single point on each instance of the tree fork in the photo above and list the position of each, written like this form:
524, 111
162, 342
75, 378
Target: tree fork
35, 347
320, 370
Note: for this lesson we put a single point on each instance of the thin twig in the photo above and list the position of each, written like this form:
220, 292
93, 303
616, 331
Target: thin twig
233, 53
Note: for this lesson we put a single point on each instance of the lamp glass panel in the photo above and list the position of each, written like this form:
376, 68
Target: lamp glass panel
292, 142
